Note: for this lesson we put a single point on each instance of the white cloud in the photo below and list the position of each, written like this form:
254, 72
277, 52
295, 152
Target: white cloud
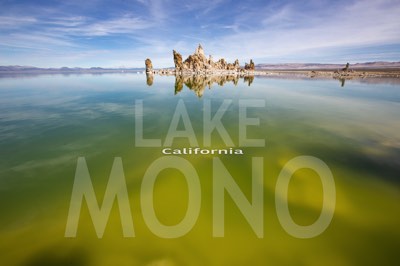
158, 9
126, 24
73, 21
11, 22
267, 31
361, 24
35, 41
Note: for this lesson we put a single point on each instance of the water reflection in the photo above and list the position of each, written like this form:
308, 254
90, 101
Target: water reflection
58, 256
342, 82
249, 79
149, 79
198, 83
44, 127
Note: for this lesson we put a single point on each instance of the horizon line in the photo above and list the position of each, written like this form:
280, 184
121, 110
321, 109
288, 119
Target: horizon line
143, 67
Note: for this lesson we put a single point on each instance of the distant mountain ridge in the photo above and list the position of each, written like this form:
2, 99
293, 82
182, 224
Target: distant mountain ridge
263, 66
17, 68
300, 66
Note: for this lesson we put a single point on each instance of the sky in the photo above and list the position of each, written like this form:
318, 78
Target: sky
123, 33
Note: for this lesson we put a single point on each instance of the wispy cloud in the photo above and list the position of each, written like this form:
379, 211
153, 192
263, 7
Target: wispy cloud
11, 22
262, 30
203, 7
35, 41
123, 25
158, 9
59, 33
73, 21
361, 24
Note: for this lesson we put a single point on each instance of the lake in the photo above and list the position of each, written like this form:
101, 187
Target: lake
47, 122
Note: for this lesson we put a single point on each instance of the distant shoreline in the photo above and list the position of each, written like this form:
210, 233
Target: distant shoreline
353, 73
329, 73
297, 73
7, 70
367, 66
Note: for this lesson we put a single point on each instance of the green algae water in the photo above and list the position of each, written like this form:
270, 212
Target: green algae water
47, 122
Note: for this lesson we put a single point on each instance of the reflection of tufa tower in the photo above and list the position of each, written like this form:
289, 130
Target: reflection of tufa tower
198, 83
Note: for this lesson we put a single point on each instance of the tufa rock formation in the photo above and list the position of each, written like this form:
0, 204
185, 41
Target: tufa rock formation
198, 63
345, 73
346, 67
250, 66
149, 66
178, 61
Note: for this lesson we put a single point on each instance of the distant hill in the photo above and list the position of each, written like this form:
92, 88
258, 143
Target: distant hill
300, 66
283, 66
32, 69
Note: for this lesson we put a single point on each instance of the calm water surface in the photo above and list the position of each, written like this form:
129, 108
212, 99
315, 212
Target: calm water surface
48, 121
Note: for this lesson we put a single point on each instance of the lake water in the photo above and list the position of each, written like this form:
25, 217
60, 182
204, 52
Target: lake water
47, 122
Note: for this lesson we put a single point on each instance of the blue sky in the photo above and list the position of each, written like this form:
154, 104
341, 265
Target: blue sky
123, 33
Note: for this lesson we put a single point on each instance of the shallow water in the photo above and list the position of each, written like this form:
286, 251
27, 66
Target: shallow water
48, 121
